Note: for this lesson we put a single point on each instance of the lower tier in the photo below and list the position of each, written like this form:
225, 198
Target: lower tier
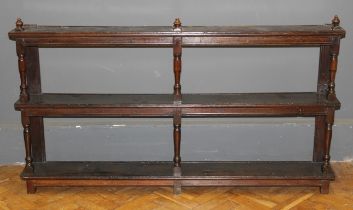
225, 173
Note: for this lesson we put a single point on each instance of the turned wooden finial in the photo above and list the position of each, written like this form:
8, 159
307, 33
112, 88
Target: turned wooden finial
19, 25
335, 22
177, 24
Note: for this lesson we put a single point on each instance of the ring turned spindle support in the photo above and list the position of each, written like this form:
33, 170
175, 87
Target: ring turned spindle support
333, 69
27, 140
20, 49
334, 51
177, 61
327, 141
177, 137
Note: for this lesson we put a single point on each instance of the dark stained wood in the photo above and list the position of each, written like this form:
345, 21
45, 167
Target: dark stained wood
192, 174
57, 100
163, 182
323, 72
318, 149
324, 188
335, 22
257, 99
161, 36
38, 31
19, 25
322, 89
158, 105
177, 68
189, 170
177, 137
37, 139
333, 69
20, 49
177, 51
34, 87
31, 188
334, 51
27, 140
329, 120
241, 104
34, 105
177, 182
33, 70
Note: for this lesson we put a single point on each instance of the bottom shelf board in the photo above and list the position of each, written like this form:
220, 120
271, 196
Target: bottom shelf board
225, 170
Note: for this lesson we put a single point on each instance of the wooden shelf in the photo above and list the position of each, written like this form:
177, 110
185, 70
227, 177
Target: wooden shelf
256, 104
96, 100
127, 105
229, 104
189, 174
42, 31
162, 36
35, 105
189, 170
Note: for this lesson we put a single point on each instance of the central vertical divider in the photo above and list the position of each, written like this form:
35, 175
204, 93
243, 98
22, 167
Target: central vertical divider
177, 40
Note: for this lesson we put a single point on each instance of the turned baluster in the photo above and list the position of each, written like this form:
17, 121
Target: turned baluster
177, 158
327, 141
177, 137
27, 140
20, 50
177, 100
177, 61
333, 70
333, 61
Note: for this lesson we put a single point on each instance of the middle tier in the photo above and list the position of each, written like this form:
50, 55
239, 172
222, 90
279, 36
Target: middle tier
163, 105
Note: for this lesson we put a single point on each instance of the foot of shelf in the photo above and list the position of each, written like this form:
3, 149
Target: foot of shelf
325, 187
31, 188
177, 183
177, 188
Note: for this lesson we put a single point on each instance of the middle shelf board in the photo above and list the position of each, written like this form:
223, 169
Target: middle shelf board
163, 105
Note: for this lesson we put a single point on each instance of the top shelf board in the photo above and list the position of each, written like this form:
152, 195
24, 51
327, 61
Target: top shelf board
193, 36
37, 31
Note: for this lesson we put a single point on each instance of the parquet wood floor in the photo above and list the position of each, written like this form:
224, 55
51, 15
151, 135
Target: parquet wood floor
13, 196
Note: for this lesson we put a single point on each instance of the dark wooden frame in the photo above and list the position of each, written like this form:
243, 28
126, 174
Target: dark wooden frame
34, 105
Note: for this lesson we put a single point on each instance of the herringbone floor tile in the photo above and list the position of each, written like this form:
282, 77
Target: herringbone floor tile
13, 196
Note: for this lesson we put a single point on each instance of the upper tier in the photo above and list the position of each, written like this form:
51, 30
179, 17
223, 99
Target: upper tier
162, 36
